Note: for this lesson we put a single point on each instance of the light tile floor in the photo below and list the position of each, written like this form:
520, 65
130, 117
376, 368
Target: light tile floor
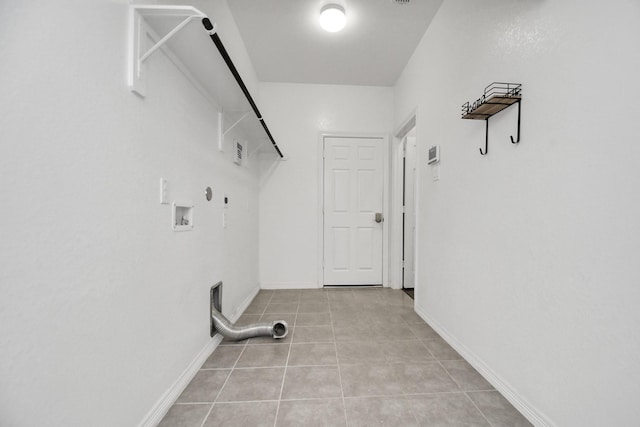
353, 357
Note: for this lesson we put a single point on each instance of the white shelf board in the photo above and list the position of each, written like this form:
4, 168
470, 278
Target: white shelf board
192, 50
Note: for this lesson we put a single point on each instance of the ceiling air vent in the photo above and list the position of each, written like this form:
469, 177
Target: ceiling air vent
401, 2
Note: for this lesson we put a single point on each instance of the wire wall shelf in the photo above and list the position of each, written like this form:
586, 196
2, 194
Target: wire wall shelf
496, 97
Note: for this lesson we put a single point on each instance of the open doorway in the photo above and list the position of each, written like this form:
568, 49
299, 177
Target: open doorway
409, 212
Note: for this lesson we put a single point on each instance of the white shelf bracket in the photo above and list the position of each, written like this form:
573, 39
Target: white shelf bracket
154, 27
222, 132
236, 122
165, 39
139, 31
255, 150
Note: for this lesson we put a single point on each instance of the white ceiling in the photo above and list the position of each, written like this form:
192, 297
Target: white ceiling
286, 44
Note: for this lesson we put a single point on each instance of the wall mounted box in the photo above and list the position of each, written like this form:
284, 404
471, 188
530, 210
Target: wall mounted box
434, 154
182, 216
239, 153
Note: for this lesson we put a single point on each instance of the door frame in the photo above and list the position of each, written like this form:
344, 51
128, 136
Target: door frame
396, 245
409, 201
385, 199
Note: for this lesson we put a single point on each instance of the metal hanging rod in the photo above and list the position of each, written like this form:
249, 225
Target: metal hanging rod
149, 22
206, 22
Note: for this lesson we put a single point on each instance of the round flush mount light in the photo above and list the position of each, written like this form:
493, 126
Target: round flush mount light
332, 18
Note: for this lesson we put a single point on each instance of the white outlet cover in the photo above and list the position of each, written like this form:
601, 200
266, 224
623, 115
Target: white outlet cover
163, 192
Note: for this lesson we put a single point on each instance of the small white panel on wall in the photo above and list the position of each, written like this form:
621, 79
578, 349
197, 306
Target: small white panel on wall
163, 192
239, 153
434, 154
182, 216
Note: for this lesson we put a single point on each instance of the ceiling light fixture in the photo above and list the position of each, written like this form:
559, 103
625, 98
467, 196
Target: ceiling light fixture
332, 18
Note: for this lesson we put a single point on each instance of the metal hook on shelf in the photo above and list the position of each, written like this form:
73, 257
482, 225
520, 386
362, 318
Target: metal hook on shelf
486, 140
517, 140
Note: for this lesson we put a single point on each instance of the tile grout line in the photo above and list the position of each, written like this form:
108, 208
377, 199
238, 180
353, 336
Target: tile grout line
284, 375
479, 410
462, 390
450, 376
307, 399
223, 385
405, 397
400, 396
244, 346
216, 398
335, 346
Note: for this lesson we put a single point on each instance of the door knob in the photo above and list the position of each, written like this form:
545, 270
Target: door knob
378, 217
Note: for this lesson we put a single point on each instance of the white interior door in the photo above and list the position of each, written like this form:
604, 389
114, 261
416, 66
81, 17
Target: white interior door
409, 222
353, 205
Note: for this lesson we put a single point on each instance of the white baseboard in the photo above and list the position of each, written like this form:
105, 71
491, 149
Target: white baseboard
162, 406
534, 416
289, 285
300, 285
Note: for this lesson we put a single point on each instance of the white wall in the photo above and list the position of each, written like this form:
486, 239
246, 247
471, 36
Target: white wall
297, 114
102, 305
528, 257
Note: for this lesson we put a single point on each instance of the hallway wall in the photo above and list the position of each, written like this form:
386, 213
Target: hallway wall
298, 114
102, 305
528, 257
